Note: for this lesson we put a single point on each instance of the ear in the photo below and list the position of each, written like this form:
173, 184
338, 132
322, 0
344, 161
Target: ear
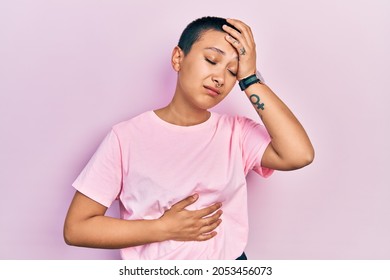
177, 57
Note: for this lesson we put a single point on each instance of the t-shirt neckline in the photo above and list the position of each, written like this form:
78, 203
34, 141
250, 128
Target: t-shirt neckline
202, 125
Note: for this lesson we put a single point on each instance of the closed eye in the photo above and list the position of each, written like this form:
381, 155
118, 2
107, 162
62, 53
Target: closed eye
233, 74
209, 61
214, 63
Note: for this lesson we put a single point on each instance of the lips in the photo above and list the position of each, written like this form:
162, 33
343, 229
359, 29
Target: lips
212, 91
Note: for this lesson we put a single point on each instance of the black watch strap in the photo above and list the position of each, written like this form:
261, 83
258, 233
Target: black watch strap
246, 82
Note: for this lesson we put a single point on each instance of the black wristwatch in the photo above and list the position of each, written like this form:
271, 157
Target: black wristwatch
252, 79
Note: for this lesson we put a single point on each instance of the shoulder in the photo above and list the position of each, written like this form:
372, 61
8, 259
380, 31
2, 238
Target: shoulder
134, 121
124, 129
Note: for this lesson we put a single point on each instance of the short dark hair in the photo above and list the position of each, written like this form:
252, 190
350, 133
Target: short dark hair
194, 31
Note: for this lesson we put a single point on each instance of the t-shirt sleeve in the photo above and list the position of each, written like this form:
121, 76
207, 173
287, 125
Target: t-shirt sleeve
254, 141
101, 178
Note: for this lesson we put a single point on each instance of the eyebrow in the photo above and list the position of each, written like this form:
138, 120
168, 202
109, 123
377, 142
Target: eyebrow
217, 50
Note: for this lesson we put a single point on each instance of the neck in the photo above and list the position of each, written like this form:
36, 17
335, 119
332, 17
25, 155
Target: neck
178, 114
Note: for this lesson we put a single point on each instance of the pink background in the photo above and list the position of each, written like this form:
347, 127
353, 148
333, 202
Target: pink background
70, 69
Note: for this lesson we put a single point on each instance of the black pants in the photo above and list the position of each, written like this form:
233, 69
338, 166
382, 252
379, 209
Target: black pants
242, 257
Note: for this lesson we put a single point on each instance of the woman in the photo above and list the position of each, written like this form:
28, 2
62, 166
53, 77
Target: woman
179, 171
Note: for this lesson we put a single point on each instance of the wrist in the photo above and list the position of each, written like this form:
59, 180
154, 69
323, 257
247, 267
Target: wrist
250, 80
161, 230
246, 75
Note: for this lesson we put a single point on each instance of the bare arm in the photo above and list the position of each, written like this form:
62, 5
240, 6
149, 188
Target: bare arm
290, 147
86, 225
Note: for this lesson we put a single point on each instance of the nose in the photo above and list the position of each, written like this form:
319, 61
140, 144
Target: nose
218, 79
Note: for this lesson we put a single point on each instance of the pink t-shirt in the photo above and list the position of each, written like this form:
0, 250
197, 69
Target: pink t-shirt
150, 164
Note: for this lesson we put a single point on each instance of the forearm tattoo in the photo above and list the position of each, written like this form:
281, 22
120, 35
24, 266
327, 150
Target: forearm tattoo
255, 100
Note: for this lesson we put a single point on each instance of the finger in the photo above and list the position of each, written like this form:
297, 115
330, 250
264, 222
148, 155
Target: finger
238, 24
185, 202
235, 34
212, 219
237, 45
206, 236
233, 41
209, 228
208, 210
244, 28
